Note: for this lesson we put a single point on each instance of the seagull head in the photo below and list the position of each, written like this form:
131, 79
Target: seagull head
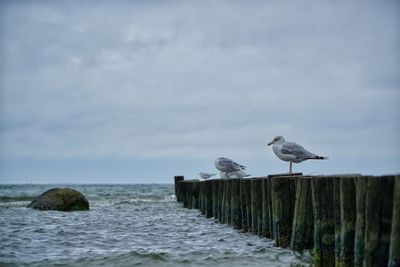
277, 140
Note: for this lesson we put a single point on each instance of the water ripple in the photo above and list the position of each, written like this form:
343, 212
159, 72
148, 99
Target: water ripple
130, 225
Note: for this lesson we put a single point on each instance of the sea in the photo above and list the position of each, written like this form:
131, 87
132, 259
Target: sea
127, 225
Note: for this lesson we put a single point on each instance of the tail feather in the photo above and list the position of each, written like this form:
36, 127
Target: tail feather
319, 157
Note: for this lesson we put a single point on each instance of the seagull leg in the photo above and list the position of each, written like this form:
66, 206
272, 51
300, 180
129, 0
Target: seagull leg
290, 167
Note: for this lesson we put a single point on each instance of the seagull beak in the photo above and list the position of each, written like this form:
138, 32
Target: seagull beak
270, 143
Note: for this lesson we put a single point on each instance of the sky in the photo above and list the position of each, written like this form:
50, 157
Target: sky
140, 91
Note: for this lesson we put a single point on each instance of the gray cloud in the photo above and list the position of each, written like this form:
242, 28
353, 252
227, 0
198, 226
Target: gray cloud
199, 80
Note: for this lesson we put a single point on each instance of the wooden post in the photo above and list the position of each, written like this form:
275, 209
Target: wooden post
221, 209
243, 205
379, 208
202, 198
215, 185
361, 193
228, 196
182, 186
236, 219
336, 217
302, 231
208, 199
253, 208
394, 255
347, 221
324, 226
178, 193
256, 205
283, 198
188, 194
224, 200
194, 201
266, 208
248, 203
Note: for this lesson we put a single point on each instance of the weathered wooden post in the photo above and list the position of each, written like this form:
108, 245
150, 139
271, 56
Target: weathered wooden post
215, 198
182, 193
188, 194
248, 203
253, 208
359, 242
283, 198
228, 197
194, 201
324, 226
378, 216
256, 205
236, 218
394, 255
336, 216
202, 198
208, 199
347, 221
243, 204
223, 218
178, 192
302, 231
266, 226
221, 184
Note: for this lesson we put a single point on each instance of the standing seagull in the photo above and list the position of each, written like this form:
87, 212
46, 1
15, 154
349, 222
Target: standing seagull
291, 152
227, 166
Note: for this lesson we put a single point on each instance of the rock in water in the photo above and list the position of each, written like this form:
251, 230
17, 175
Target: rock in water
63, 199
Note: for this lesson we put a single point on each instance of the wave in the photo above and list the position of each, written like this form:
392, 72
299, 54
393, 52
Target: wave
162, 259
117, 259
16, 198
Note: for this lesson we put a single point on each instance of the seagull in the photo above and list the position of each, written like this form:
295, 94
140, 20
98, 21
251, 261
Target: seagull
291, 152
228, 165
230, 169
205, 175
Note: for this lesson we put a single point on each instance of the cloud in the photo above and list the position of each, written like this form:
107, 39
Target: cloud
198, 80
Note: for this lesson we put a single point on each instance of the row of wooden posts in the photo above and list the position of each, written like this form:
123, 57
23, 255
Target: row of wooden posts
348, 220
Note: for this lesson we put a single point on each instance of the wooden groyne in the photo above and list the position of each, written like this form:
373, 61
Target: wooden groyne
348, 220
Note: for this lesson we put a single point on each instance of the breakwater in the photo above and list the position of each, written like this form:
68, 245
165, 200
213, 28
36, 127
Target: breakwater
344, 220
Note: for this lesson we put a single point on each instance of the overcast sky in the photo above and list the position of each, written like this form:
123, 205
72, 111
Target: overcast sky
140, 91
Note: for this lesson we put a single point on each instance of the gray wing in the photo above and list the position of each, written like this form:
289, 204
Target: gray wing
228, 165
297, 150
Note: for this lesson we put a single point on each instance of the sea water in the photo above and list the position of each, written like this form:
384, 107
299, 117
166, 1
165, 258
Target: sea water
127, 225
